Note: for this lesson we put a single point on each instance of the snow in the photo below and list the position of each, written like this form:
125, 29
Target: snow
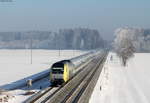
16, 68
15, 96
16, 64
124, 84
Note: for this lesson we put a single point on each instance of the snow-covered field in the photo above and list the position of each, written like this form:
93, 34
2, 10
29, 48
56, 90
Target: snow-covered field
16, 64
120, 84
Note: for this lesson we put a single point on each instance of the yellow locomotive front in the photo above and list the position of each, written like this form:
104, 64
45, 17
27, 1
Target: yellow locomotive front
60, 72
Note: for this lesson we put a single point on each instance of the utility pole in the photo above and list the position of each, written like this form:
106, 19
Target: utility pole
59, 47
31, 49
59, 51
73, 51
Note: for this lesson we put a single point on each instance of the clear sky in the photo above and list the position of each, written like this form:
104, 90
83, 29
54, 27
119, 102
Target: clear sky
104, 15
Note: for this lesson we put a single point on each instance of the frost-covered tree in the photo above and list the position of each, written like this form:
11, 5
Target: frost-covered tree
123, 44
125, 50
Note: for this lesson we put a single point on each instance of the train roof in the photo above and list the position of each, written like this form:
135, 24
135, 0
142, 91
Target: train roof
61, 63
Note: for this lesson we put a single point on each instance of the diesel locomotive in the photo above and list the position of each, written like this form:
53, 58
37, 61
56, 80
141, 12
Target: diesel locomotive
63, 70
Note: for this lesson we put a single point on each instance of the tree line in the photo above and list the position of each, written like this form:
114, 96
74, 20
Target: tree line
78, 38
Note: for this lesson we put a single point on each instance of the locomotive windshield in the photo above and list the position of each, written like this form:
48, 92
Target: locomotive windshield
57, 70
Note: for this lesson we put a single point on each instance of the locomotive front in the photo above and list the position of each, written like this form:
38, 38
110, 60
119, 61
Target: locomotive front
56, 74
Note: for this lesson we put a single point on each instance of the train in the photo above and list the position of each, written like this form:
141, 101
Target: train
64, 70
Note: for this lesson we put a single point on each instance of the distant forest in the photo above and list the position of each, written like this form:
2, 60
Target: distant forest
79, 38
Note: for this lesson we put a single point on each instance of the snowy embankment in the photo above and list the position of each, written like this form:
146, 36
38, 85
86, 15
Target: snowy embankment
16, 65
118, 84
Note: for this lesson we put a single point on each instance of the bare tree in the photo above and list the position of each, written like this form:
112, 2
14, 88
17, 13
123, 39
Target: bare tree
124, 46
126, 50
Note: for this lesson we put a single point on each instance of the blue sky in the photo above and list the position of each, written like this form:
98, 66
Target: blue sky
104, 15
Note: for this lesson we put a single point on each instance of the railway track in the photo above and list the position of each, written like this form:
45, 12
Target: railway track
38, 96
78, 89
